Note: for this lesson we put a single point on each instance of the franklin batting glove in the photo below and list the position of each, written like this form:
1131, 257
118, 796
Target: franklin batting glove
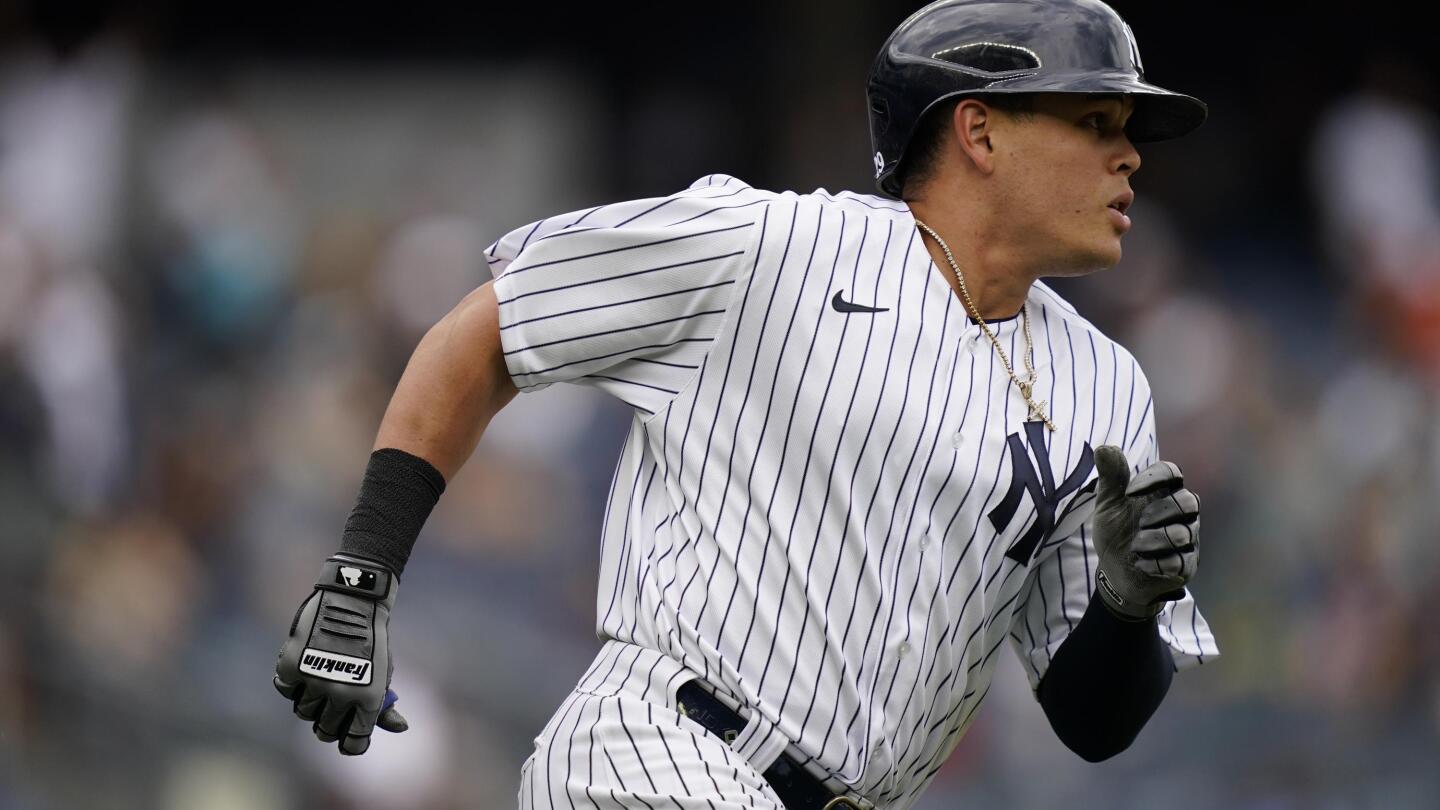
335, 666
1147, 532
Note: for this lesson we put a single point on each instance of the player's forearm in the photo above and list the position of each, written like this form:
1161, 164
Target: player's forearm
454, 383
1105, 682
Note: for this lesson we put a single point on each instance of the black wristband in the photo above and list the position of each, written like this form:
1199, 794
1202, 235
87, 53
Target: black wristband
395, 499
1105, 681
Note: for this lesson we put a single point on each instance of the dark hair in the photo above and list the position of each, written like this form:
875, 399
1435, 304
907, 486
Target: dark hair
928, 143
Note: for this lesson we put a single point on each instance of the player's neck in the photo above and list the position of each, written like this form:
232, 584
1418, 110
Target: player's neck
997, 277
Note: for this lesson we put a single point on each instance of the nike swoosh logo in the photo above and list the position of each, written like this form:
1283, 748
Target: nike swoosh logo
841, 305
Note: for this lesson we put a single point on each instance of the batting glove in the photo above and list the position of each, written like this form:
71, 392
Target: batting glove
1147, 532
335, 666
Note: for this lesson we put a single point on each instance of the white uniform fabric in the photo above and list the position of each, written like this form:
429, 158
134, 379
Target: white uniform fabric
835, 518
618, 741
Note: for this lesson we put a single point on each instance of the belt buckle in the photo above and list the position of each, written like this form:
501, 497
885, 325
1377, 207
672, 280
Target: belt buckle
840, 803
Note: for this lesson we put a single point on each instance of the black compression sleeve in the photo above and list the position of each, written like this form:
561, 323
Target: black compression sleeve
1105, 682
395, 499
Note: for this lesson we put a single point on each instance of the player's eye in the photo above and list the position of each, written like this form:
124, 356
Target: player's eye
1097, 121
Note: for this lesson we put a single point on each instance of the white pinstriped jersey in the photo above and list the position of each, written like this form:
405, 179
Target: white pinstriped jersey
836, 518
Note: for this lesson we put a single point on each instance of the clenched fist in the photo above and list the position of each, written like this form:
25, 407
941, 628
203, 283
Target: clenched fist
335, 666
1147, 532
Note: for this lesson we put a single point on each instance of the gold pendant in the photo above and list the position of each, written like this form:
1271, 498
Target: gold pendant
1037, 411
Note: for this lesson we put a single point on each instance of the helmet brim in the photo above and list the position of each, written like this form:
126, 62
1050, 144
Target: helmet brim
1160, 114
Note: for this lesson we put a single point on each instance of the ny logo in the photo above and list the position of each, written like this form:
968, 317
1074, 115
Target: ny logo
1041, 486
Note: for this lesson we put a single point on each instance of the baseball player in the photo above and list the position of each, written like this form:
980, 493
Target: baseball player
869, 446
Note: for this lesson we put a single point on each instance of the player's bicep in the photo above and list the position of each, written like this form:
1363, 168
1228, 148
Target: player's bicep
477, 324
454, 383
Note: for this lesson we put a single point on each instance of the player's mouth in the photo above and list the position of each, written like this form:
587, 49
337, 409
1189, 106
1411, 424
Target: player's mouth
1118, 207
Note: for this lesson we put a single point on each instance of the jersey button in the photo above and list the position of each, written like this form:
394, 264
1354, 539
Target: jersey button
957, 440
924, 541
903, 649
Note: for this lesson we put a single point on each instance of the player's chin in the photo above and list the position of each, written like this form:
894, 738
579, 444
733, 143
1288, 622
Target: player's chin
1105, 253
1091, 258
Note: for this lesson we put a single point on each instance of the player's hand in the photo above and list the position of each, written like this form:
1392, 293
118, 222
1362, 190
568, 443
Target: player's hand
335, 666
1147, 532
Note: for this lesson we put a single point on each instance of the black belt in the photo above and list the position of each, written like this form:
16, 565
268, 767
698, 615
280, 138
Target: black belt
791, 782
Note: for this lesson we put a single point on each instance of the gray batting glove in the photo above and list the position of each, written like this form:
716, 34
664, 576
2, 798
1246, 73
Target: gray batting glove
1147, 532
335, 666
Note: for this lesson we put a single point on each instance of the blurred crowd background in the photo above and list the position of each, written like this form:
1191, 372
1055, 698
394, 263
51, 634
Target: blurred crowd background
223, 228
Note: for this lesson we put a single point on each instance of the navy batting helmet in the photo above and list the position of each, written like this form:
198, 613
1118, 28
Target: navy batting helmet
956, 48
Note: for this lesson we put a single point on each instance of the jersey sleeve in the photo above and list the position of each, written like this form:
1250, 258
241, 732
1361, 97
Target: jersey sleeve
1060, 587
625, 297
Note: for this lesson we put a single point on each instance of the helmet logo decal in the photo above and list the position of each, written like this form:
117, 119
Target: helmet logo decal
990, 57
879, 164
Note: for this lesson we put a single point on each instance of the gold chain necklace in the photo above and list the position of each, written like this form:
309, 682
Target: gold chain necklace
1037, 409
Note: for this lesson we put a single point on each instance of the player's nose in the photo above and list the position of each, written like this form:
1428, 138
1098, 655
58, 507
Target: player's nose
1126, 159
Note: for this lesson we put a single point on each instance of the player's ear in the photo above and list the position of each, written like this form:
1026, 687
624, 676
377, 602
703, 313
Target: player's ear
971, 128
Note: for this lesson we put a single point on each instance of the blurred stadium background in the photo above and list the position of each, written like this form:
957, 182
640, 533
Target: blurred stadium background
223, 227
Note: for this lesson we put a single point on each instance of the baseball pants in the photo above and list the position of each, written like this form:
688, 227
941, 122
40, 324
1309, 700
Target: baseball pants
618, 742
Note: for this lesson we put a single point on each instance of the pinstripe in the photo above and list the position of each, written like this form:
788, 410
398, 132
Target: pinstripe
1195, 632
804, 475
632, 382
834, 579
514, 323
622, 248
934, 656
630, 328
745, 401
1075, 407
579, 707
528, 236
639, 757
790, 584
1143, 416
699, 755
646, 212
815, 545
618, 277
704, 214
704, 463
785, 445
904, 475
627, 547
583, 360
895, 587
1129, 397
569, 231
607, 541
663, 363
670, 755
590, 758
570, 228
764, 425
961, 556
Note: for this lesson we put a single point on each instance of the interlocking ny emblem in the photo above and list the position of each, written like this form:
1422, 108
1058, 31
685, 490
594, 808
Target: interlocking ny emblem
1040, 485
